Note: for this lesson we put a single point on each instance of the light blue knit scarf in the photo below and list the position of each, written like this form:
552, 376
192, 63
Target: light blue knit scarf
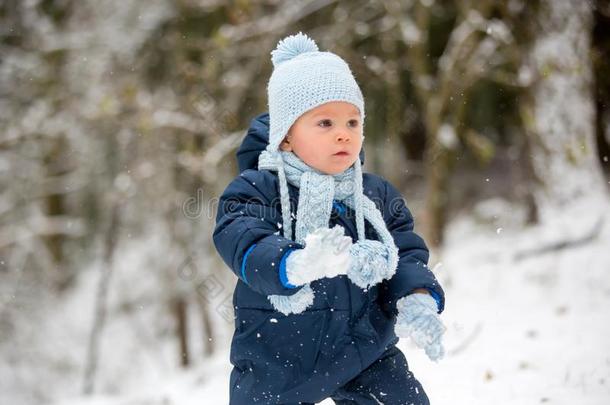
371, 261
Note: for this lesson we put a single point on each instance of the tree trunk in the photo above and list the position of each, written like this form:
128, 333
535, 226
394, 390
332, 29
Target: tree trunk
207, 327
561, 121
180, 313
99, 317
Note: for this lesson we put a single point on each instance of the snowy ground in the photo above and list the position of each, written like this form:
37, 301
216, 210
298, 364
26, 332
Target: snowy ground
520, 331
524, 331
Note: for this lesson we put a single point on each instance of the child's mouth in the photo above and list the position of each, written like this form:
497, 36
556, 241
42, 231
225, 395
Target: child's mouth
341, 154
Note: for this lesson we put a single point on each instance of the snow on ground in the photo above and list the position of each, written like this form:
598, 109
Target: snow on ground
523, 331
526, 331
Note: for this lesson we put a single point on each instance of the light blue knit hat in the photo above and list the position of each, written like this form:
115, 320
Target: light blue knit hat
304, 78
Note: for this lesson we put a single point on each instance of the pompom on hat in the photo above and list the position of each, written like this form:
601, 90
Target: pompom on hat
292, 46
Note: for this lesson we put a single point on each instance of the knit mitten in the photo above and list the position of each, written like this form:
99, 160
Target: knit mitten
418, 319
326, 254
371, 263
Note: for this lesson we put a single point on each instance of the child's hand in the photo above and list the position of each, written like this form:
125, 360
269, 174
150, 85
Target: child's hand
419, 320
326, 254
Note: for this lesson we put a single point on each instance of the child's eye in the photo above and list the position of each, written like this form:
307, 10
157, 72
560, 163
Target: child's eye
328, 123
324, 123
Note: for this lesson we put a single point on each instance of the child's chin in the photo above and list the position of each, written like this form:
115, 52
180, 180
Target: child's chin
337, 170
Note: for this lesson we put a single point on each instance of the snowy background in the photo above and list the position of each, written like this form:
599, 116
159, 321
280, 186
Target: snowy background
520, 331
118, 127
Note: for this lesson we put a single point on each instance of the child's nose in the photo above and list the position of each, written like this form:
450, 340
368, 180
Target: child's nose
342, 137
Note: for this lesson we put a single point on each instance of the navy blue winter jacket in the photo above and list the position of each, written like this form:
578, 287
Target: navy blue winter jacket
346, 328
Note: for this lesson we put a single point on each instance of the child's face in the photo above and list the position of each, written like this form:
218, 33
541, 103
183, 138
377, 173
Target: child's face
317, 136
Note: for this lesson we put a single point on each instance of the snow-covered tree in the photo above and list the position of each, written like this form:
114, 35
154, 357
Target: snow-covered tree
559, 113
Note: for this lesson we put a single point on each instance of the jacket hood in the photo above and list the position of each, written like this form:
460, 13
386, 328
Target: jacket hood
256, 140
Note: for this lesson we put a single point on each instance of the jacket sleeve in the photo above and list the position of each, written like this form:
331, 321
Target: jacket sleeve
412, 271
247, 234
